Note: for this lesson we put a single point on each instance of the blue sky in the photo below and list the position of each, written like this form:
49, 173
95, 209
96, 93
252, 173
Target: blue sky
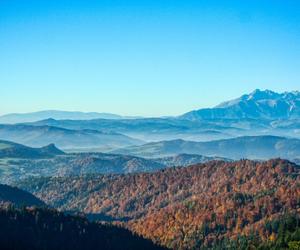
146, 58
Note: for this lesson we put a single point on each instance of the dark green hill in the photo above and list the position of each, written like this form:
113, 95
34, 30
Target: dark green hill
33, 229
18, 197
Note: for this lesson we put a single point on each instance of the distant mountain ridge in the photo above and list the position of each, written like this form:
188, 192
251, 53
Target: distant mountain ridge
55, 114
66, 139
259, 113
264, 104
258, 104
250, 147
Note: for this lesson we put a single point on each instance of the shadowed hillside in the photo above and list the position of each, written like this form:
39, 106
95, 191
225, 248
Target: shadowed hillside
18, 197
33, 229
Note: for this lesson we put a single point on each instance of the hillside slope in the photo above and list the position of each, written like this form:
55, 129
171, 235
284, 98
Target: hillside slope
187, 160
19, 162
33, 229
18, 197
184, 207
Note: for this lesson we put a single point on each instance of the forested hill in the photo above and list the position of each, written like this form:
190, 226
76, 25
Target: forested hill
186, 207
35, 229
18, 197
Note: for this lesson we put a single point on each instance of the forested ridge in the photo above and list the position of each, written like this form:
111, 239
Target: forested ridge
185, 208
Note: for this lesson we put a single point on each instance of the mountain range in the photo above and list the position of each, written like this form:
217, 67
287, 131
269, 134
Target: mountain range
201, 180
259, 104
256, 105
258, 113
250, 147
67, 139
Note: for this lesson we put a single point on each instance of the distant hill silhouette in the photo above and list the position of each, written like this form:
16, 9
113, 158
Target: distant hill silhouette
54, 114
14, 150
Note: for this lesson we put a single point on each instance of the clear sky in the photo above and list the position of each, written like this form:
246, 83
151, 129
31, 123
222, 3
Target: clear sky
151, 58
